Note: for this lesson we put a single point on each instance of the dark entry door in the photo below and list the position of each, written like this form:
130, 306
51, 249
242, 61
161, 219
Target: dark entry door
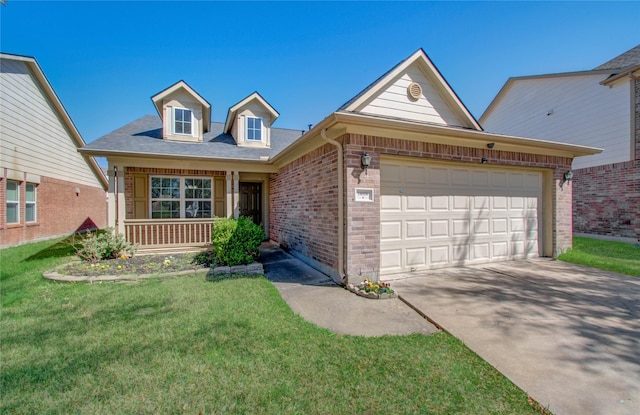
251, 201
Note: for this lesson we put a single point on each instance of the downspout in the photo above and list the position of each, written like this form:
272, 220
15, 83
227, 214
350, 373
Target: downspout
341, 239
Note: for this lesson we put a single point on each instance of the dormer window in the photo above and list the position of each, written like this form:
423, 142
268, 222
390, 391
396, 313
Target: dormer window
254, 129
182, 121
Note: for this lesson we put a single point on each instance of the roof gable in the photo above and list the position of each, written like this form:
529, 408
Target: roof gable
255, 96
178, 86
60, 111
413, 90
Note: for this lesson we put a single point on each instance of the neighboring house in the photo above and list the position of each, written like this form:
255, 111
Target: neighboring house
437, 191
599, 108
47, 189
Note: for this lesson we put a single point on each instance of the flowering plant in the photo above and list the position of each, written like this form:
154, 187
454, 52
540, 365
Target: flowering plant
376, 287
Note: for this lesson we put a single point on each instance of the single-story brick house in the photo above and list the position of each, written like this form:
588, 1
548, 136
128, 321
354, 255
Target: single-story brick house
399, 179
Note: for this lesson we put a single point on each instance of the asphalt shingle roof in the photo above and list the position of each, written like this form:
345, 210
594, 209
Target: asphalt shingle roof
628, 59
144, 136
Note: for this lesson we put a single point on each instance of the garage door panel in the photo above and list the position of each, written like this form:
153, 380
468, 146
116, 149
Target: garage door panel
391, 203
460, 227
416, 174
416, 229
481, 227
439, 255
460, 177
499, 226
439, 203
481, 251
391, 260
437, 216
438, 228
460, 203
438, 176
391, 231
418, 203
416, 257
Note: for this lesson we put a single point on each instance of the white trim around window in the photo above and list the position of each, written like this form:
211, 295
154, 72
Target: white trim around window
13, 202
182, 121
30, 203
254, 129
175, 197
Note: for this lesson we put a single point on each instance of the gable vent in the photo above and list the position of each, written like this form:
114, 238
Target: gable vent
414, 90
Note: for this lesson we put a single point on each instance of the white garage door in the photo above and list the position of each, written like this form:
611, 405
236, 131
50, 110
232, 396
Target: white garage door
437, 215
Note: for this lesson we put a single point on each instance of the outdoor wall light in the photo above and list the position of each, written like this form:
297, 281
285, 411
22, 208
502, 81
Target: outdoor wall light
490, 145
567, 177
484, 160
77, 191
365, 161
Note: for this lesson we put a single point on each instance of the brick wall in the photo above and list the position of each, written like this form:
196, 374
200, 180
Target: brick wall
303, 198
60, 211
303, 208
607, 198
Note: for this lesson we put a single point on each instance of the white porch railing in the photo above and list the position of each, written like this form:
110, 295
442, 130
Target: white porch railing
164, 233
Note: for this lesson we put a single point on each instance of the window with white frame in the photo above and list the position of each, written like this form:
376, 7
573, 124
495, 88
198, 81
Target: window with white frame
30, 202
254, 129
182, 121
13, 201
181, 197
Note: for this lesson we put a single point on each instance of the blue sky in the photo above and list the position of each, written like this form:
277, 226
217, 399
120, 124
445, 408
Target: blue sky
106, 59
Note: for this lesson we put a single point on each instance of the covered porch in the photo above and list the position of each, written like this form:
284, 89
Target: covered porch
173, 208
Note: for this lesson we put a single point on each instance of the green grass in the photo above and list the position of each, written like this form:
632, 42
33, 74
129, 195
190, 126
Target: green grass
618, 257
185, 345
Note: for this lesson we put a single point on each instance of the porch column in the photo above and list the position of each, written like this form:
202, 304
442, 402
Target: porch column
122, 209
229, 197
236, 195
111, 201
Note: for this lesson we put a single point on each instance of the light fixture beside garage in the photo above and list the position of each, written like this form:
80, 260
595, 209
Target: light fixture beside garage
567, 177
365, 161
484, 160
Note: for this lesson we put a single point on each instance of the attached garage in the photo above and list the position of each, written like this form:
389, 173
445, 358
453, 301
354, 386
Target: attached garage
444, 214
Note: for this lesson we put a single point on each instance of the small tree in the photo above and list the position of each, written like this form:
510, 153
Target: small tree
236, 242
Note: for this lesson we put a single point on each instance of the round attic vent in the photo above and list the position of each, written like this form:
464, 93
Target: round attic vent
414, 90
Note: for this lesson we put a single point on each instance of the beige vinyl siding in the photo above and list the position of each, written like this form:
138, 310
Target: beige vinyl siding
32, 137
394, 101
582, 112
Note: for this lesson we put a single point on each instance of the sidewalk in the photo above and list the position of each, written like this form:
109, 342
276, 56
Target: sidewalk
317, 299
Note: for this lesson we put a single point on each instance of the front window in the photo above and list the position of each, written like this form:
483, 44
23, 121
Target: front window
179, 197
30, 202
254, 129
13, 201
182, 121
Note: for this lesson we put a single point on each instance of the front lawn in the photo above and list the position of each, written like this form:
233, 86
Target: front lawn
618, 257
185, 345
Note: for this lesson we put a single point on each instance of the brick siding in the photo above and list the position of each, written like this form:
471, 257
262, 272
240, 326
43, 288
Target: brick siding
59, 211
303, 197
303, 208
607, 198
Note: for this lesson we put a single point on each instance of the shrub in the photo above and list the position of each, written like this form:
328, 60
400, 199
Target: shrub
100, 245
236, 242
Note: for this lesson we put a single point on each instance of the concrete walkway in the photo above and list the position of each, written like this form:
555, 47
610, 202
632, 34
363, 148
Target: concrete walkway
317, 299
567, 335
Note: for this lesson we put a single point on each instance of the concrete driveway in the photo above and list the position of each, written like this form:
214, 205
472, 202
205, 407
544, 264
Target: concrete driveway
567, 335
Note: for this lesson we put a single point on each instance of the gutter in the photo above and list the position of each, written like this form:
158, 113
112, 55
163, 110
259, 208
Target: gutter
341, 239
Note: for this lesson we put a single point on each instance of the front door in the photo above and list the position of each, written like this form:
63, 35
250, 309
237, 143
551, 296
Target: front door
251, 201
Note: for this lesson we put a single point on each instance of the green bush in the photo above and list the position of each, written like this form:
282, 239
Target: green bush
100, 245
236, 242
